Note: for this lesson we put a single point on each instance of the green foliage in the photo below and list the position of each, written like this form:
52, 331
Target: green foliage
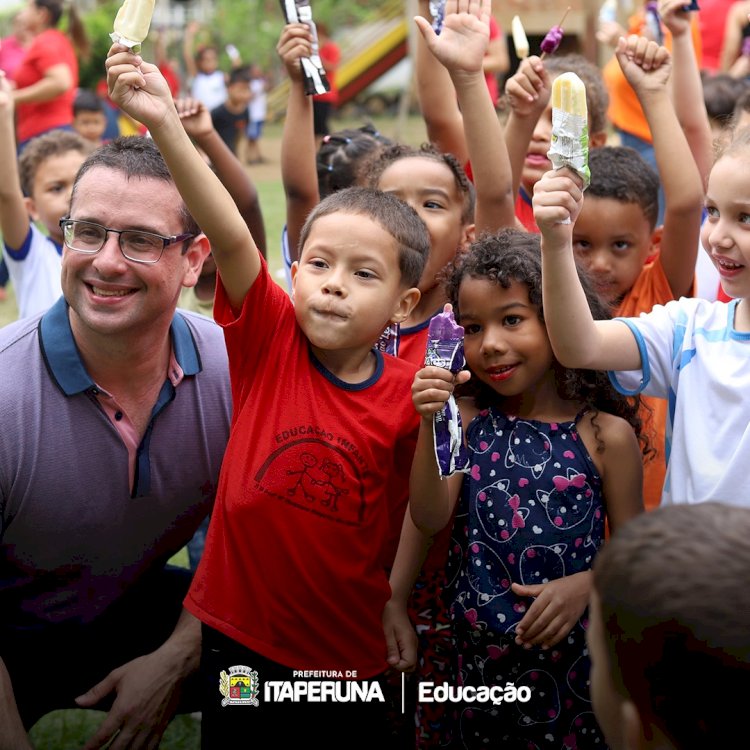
98, 23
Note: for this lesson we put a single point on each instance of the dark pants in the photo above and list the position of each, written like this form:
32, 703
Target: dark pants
49, 669
4, 276
335, 725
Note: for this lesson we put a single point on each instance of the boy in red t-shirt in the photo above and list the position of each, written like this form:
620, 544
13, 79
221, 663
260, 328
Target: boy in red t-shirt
316, 470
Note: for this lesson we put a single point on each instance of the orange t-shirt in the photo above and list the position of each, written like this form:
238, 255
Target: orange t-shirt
651, 288
624, 108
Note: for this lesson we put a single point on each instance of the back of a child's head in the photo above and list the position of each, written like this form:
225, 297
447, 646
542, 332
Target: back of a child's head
43, 147
675, 606
398, 151
720, 94
741, 113
597, 98
512, 255
342, 154
622, 174
87, 101
395, 216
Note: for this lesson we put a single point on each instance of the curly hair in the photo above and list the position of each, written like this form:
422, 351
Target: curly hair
398, 151
513, 255
597, 98
622, 174
341, 155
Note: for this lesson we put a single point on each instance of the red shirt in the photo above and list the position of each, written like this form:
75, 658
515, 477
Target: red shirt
48, 49
330, 56
294, 565
525, 211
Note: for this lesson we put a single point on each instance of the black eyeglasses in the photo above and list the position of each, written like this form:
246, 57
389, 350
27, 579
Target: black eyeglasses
140, 247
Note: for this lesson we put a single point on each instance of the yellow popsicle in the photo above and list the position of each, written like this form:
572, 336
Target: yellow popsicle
132, 22
520, 42
569, 95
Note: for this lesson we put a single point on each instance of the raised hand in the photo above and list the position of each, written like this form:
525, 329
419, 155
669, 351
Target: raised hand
646, 65
674, 17
195, 117
529, 88
294, 43
463, 41
558, 198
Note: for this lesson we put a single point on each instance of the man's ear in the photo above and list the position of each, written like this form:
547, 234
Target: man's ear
197, 252
406, 303
597, 139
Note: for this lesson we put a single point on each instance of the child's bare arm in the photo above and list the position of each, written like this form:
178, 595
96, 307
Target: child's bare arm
687, 88
736, 19
140, 90
437, 98
14, 218
431, 498
188, 48
577, 339
196, 119
647, 67
460, 48
528, 92
298, 156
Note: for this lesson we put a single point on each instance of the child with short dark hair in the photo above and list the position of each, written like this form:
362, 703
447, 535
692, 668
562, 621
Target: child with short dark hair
668, 625
293, 575
231, 116
35, 188
89, 118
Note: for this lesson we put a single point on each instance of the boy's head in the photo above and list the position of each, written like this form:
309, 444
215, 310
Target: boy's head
720, 94
89, 120
614, 233
362, 253
47, 170
668, 629
597, 101
435, 185
207, 59
238, 89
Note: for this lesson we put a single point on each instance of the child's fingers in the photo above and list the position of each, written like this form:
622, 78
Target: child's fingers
123, 77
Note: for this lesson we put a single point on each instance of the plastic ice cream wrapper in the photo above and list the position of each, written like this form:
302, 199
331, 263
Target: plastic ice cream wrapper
570, 144
445, 348
132, 23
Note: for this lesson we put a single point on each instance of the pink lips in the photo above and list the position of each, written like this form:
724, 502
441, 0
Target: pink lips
498, 374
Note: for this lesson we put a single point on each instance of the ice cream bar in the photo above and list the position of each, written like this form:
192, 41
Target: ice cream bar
132, 23
520, 42
570, 132
554, 36
445, 348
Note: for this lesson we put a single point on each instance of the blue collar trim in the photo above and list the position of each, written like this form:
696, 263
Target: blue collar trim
64, 362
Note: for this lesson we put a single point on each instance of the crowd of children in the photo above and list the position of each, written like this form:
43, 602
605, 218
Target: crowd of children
604, 331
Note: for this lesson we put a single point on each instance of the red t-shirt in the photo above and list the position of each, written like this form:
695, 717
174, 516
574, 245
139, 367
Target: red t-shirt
48, 49
294, 565
525, 211
330, 56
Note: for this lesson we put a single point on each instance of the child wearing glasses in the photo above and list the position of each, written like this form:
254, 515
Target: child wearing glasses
36, 188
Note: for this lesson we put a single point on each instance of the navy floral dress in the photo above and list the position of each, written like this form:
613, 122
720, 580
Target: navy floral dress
531, 511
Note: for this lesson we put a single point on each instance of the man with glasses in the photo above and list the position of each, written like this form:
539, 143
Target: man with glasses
114, 415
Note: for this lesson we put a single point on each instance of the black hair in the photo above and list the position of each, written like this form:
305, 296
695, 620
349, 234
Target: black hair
513, 255
240, 75
341, 155
621, 173
136, 157
87, 101
392, 154
76, 29
720, 94
396, 217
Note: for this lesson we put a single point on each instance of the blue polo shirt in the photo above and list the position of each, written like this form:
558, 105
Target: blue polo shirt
76, 530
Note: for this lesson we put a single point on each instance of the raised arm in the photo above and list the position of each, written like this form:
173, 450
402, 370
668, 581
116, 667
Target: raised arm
298, 154
687, 88
528, 92
188, 49
196, 120
437, 98
647, 67
577, 339
14, 218
461, 48
731, 49
140, 90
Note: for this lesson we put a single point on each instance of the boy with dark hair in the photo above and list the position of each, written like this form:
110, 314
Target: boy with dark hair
668, 624
35, 188
293, 575
230, 118
89, 118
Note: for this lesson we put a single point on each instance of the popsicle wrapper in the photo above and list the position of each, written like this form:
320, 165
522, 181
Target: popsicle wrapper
389, 340
132, 23
445, 348
570, 131
315, 78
